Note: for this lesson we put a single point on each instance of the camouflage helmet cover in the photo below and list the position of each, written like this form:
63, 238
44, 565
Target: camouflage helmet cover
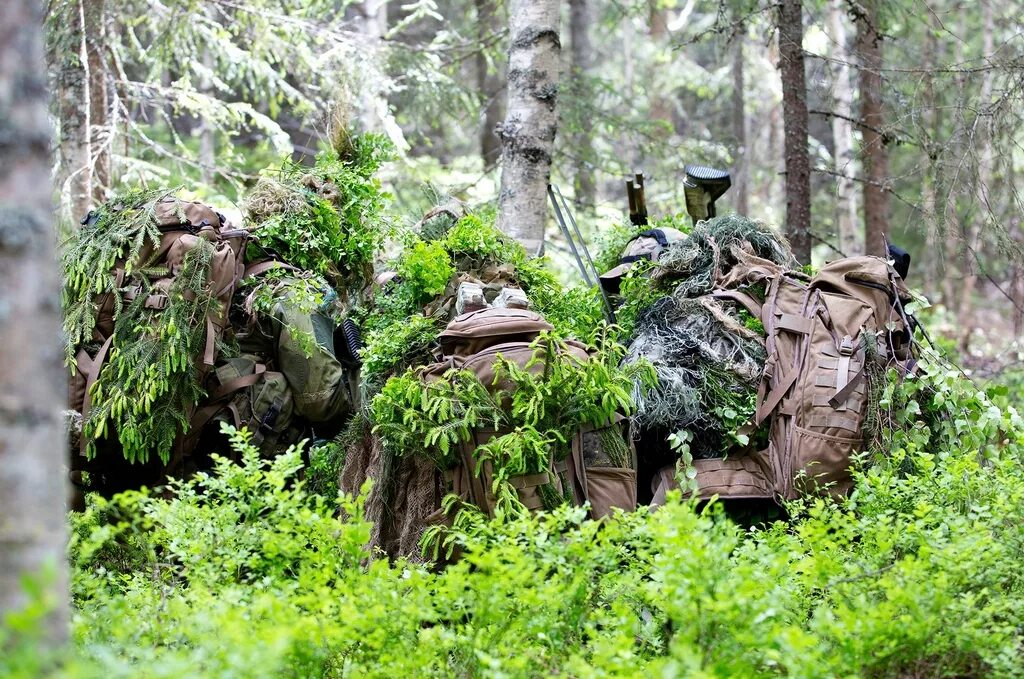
645, 245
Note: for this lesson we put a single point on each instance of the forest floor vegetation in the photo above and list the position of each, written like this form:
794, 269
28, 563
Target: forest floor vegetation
245, 572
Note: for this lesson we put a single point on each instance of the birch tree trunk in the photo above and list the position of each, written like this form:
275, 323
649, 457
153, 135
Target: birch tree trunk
100, 132
528, 133
983, 209
874, 154
794, 107
66, 55
373, 24
32, 379
741, 164
842, 134
489, 85
582, 53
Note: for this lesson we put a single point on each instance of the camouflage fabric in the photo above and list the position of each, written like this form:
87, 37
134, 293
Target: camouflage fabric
297, 386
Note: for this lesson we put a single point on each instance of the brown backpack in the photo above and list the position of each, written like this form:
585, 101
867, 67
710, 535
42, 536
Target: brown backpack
593, 471
823, 336
182, 225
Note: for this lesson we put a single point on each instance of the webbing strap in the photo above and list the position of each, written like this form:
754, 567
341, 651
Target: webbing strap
743, 299
767, 405
844, 392
231, 386
257, 268
529, 480
532, 502
209, 354
794, 323
834, 422
94, 373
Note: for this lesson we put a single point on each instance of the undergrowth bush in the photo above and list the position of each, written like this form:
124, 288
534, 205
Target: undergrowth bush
245, 573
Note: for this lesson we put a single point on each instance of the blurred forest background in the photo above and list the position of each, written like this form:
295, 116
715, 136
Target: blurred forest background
913, 116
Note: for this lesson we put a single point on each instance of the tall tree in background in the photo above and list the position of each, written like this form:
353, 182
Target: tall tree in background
528, 133
983, 208
842, 134
794, 107
874, 154
581, 16
76, 60
490, 86
32, 379
741, 164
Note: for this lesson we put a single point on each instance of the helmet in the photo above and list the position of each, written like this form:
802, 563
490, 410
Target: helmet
645, 245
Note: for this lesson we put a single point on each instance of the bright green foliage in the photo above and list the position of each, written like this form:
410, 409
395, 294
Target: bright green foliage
393, 347
426, 269
308, 238
539, 411
123, 228
327, 219
244, 573
150, 381
413, 416
326, 458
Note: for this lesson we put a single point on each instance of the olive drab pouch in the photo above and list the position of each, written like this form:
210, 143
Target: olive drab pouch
258, 399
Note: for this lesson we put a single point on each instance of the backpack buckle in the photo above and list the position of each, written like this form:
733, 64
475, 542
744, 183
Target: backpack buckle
846, 347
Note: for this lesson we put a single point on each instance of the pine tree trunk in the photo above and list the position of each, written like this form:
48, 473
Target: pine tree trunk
874, 154
490, 86
842, 133
741, 164
528, 133
582, 54
33, 448
794, 105
983, 146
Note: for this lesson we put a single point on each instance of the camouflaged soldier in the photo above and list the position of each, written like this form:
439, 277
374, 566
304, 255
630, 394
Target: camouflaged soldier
645, 246
295, 375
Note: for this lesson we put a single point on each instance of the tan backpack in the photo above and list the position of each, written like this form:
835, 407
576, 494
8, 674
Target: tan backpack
182, 225
595, 471
823, 336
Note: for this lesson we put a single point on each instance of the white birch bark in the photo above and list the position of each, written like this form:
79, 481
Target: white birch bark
842, 133
528, 133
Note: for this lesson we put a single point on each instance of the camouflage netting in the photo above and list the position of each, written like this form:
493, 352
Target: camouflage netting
709, 252
707, 364
708, 353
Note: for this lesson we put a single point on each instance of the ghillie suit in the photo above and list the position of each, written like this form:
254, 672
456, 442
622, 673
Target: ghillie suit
765, 367
478, 432
148, 280
707, 352
208, 325
459, 279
